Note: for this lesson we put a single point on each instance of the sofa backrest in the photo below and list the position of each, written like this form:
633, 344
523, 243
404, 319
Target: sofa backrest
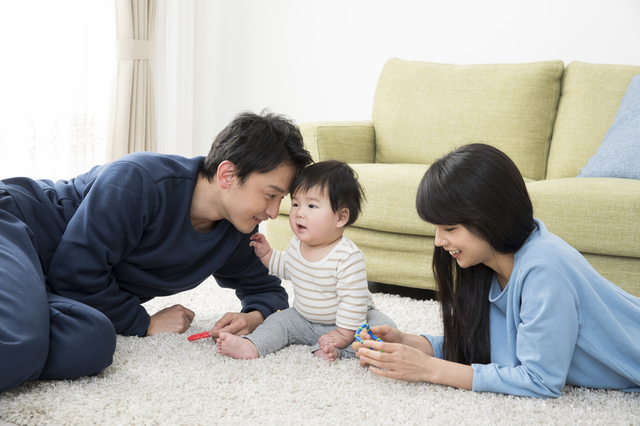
423, 110
591, 95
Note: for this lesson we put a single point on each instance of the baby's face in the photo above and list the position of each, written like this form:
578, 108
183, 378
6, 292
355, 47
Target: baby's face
312, 219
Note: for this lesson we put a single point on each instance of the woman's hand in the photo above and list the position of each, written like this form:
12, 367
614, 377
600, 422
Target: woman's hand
396, 361
403, 362
384, 332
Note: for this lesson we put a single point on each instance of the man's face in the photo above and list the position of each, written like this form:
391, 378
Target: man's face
258, 198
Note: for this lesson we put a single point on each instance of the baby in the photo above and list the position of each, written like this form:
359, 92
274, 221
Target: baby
331, 294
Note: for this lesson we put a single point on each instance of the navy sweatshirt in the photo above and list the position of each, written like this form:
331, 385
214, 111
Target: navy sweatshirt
121, 234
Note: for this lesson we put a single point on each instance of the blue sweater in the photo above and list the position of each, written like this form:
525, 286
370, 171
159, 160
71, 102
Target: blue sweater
126, 237
558, 321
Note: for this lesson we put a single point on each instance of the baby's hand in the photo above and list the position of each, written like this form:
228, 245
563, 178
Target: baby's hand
336, 339
260, 244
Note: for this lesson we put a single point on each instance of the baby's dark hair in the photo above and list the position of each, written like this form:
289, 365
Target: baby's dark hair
339, 179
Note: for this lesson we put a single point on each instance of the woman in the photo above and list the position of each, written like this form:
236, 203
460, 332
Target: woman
524, 313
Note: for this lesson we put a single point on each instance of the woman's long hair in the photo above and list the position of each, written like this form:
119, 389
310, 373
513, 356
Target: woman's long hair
479, 187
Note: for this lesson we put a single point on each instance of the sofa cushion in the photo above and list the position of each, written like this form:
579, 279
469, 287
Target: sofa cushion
619, 154
348, 141
591, 95
391, 191
595, 215
423, 110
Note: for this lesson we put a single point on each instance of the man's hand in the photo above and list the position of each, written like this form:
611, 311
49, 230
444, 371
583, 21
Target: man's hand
237, 323
175, 319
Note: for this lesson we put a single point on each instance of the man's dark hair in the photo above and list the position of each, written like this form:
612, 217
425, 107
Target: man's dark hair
256, 143
337, 178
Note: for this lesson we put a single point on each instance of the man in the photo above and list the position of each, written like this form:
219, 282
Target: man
78, 258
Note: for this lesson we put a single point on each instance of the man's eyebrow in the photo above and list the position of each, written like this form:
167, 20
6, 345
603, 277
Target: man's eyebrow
277, 188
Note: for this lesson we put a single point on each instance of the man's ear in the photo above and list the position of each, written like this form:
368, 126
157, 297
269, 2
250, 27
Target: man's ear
343, 217
226, 174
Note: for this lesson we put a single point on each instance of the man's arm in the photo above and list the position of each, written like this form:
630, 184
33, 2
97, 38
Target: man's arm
260, 294
107, 225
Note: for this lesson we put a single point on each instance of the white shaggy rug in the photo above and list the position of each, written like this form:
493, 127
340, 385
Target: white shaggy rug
167, 380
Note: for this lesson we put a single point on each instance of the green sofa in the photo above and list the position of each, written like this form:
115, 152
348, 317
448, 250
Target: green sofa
549, 119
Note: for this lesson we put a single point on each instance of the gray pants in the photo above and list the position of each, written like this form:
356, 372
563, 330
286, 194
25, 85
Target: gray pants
288, 327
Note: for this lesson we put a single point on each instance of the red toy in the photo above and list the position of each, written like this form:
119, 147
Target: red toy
198, 336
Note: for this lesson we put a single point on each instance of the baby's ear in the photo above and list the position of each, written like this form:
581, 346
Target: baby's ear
343, 217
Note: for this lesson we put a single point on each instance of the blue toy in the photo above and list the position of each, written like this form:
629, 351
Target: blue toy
366, 328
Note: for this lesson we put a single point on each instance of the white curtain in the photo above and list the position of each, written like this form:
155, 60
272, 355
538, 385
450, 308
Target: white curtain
55, 74
174, 75
131, 124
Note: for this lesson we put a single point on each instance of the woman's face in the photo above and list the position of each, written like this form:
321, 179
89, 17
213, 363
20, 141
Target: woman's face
466, 248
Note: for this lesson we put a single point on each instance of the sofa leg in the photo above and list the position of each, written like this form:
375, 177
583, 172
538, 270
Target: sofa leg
414, 293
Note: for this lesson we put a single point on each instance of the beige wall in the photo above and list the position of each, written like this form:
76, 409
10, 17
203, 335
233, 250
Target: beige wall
320, 60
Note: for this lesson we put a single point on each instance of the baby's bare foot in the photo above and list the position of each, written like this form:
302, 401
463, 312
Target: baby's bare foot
236, 346
328, 352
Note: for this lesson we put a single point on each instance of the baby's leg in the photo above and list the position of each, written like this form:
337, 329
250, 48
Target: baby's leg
280, 329
236, 346
328, 352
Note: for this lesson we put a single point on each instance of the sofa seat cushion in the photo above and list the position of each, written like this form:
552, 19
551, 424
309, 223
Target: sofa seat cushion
594, 215
390, 191
423, 110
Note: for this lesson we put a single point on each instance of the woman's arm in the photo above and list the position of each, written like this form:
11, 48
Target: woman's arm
540, 336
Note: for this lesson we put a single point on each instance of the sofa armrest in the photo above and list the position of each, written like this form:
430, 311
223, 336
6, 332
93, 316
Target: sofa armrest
348, 141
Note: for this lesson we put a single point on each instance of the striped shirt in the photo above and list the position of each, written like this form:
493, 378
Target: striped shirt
333, 290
